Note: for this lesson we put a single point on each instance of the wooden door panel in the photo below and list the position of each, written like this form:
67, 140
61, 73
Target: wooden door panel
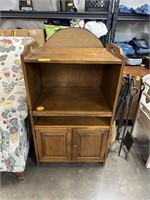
89, 144
54, 144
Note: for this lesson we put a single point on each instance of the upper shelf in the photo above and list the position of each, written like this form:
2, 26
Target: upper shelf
72, 55
132, 17
47, 14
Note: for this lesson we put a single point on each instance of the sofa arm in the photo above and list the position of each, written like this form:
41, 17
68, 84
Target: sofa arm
15, 104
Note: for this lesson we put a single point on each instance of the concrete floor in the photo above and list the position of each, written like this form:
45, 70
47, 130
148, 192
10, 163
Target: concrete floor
118, 180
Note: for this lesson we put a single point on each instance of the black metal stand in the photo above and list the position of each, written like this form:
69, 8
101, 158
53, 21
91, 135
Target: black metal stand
127, 93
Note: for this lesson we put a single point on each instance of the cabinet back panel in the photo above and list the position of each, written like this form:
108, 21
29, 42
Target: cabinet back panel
72, 75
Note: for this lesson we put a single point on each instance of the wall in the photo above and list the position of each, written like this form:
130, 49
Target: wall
8, 4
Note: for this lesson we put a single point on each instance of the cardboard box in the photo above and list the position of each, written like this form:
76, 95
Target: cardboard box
20, 32
37, 34
6, 32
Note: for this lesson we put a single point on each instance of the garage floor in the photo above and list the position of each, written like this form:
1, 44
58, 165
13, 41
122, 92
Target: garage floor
118, 180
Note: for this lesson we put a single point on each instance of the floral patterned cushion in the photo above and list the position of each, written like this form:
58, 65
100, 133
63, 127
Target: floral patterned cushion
10, 63
14, 144
15, 103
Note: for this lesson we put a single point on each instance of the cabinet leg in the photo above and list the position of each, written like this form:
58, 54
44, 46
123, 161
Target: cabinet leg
20, 175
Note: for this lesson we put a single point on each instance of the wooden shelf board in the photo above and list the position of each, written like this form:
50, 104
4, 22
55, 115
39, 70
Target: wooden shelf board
72, 102
136, 70
72, 55
74, 122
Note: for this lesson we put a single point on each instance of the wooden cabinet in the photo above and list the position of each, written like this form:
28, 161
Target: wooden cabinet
72, 95
67, 144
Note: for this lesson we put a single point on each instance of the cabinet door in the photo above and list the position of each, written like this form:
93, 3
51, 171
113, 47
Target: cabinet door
89, 144
54, 144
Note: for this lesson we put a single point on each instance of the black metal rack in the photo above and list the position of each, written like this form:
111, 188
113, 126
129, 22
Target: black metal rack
124, 17
111, 17
48, 14
105, 16
132, 17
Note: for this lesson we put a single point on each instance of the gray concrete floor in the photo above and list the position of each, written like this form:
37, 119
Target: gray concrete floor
118, 180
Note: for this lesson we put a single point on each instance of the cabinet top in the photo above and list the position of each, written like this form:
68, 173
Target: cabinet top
72, 55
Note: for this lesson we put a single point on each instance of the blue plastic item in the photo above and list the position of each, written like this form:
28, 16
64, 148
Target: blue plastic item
144, 10
124, 9
126, 48
143, 51
140, 43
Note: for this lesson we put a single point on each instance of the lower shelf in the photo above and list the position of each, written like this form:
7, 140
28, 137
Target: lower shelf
72, 102
100, 122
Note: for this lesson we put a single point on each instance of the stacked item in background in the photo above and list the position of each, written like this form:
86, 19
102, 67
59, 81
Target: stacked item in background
143, 10
56, 5
136, 49
54, 25
37, 34
71, 5
98, 28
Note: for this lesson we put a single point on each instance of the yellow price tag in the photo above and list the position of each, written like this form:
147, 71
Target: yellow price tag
9, 102
44, 59
138, 78
142, 65
29, 2
30, 31
15, 33
70, 4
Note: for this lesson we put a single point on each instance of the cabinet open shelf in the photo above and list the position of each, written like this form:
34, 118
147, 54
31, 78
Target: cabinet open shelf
76, 122
72, 102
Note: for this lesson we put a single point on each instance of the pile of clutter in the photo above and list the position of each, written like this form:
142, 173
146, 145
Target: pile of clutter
139, 45
143, 10
136, 49
98, 28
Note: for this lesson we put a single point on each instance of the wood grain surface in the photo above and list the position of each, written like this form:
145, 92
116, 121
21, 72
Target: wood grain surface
72, 101
72, 55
